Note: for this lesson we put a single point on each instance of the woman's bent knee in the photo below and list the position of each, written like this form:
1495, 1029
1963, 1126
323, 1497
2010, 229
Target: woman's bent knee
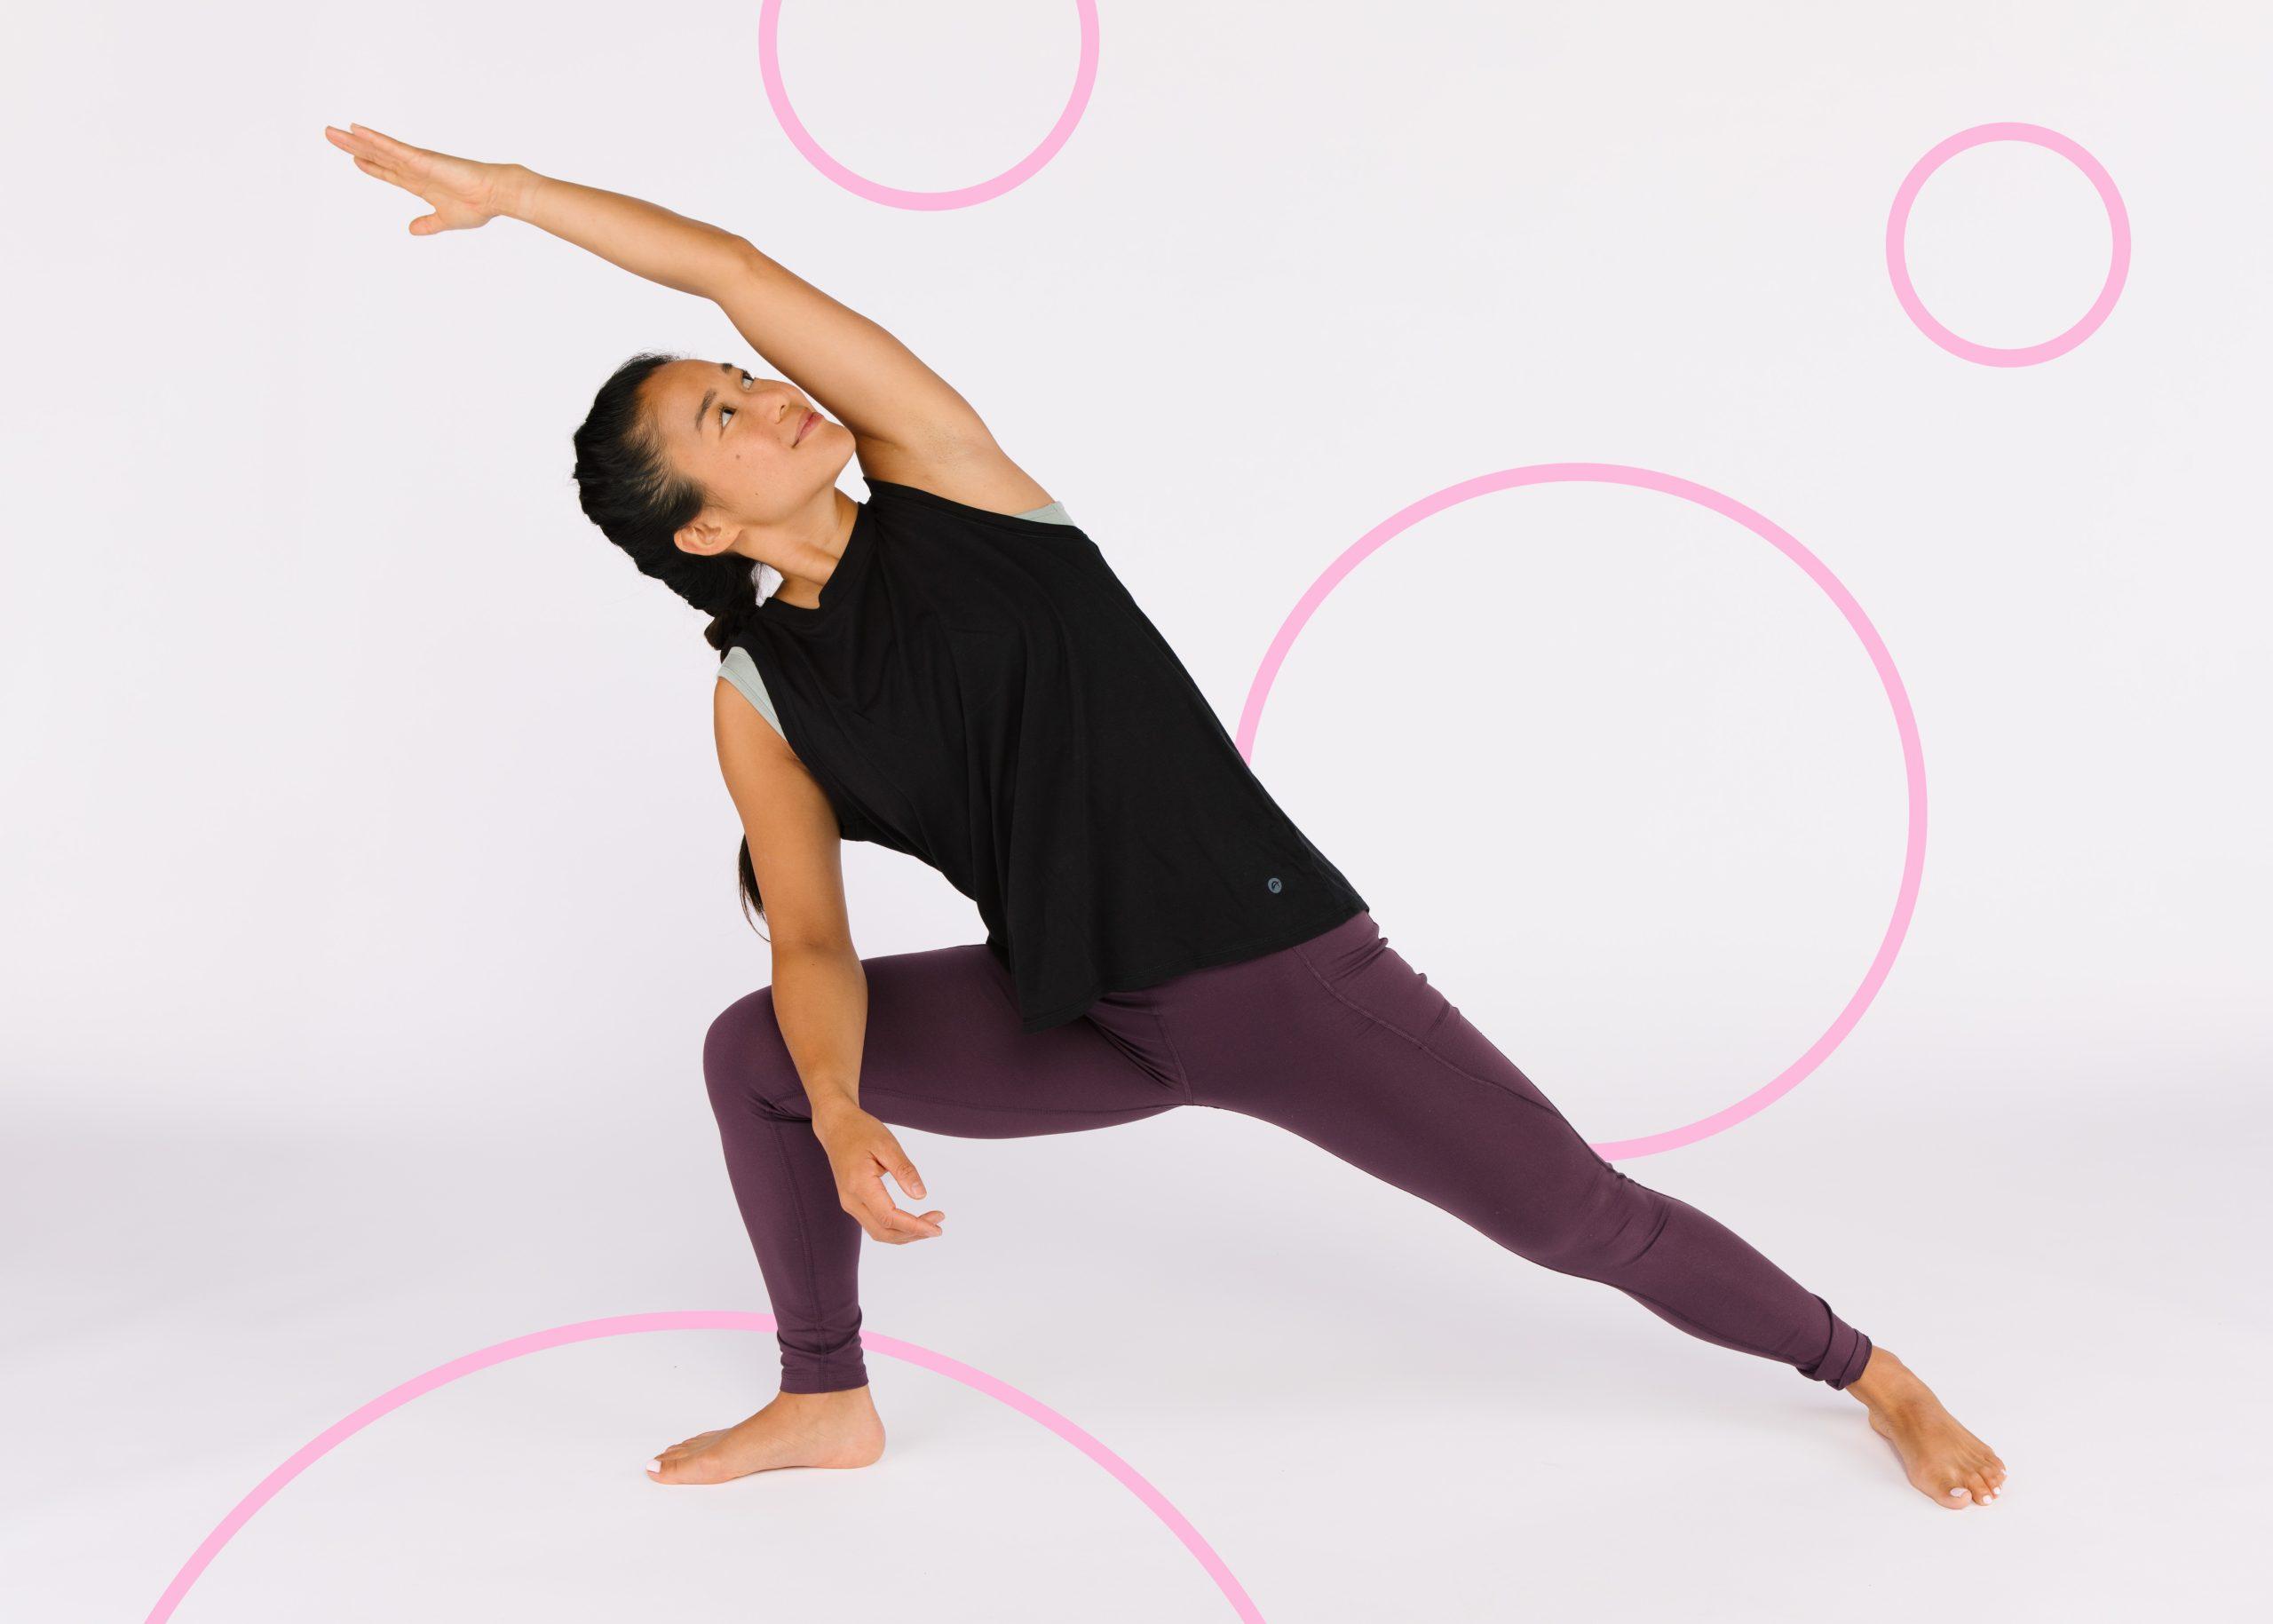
745, 1063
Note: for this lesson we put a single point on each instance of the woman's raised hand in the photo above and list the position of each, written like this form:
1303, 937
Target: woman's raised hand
861, 1150
462, 192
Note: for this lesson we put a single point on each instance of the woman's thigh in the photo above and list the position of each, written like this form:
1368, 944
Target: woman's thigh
943, 1051
1341, 1040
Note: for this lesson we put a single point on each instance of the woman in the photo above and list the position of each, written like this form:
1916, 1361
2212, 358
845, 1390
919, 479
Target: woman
952, 670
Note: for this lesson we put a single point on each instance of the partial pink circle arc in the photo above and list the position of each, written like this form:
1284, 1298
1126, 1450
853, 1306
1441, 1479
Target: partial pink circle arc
1906, 722
1897, 261
777, 92
696, 1319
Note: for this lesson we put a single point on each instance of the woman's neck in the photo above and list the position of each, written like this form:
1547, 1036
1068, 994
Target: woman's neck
807, 559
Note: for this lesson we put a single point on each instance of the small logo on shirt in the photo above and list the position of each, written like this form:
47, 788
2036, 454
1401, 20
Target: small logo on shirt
1272, 882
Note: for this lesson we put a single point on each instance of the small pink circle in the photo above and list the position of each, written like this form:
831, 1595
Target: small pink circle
1897, 263
777, 92
1906, 722
696, 1319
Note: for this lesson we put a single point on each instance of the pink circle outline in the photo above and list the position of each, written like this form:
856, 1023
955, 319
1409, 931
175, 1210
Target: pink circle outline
1898, 262
1905, 721
777, 92
694, 1319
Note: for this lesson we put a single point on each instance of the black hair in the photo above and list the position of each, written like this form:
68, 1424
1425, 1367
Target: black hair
628, 488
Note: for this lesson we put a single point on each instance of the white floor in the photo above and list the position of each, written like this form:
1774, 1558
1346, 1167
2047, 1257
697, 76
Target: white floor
1368, 1410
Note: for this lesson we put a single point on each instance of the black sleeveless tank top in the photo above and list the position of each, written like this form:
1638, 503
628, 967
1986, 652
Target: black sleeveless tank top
979, 691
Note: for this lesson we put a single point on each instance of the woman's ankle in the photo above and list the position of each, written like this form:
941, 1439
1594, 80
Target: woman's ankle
1885, 1378
836, 1395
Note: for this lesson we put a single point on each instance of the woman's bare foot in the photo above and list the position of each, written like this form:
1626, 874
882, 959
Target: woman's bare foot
1943, 1461
839, 1428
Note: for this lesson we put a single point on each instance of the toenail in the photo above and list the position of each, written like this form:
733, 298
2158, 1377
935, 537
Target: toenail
656, 1464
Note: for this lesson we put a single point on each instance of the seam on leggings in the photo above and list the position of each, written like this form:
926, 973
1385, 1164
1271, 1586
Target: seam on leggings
1182, 1071
804, 1240
1452, 1065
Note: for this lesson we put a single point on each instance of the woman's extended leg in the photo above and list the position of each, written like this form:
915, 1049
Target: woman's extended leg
944, 1052
1341, 1040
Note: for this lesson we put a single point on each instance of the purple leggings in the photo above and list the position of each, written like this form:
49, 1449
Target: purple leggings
1337, 1039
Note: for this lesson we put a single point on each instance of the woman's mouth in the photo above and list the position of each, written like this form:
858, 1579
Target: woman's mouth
805, 427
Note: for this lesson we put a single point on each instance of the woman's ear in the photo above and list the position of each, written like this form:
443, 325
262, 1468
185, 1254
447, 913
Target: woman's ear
705, 538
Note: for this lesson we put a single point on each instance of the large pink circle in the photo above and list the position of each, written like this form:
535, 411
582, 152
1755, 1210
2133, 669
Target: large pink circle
1897, 263
1906, 722
769, 64
698, 1320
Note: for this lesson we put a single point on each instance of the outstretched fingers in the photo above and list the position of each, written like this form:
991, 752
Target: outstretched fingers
402, 153
380, 171
461, 193
370, 159
361, 147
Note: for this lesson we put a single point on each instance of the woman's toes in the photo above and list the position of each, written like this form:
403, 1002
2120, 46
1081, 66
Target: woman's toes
672, 1467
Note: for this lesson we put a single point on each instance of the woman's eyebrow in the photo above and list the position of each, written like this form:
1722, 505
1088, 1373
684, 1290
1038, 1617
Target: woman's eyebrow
709, 395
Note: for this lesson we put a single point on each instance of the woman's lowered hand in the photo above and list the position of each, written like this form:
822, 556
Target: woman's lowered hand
861, 1150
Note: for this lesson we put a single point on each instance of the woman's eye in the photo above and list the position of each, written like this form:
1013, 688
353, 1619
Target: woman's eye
725, 412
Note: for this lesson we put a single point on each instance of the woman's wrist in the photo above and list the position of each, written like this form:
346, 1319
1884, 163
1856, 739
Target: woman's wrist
831, 1107
514, 190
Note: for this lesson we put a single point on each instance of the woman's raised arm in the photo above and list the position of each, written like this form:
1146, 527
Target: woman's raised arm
869, 381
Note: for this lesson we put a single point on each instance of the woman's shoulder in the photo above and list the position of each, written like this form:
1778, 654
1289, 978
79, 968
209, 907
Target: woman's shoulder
738, 671
897, 494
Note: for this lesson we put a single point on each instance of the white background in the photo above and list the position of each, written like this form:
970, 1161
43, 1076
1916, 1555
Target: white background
370, 887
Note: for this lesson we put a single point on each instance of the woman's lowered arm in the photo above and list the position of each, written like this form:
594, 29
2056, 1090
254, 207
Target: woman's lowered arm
820, 988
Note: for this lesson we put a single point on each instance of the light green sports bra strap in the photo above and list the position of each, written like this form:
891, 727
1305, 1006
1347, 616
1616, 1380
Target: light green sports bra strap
738, 668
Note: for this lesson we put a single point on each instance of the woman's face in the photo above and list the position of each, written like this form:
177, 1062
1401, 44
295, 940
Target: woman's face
756, 445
